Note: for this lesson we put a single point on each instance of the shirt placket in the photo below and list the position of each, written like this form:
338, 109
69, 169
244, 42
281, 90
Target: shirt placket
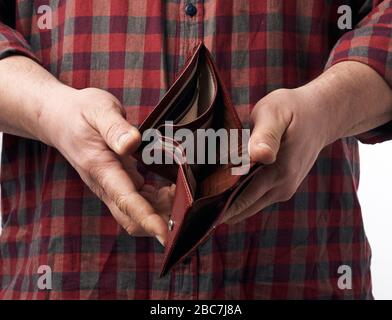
189, 29
185, 276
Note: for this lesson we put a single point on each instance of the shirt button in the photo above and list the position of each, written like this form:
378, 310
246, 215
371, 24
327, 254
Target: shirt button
190, 10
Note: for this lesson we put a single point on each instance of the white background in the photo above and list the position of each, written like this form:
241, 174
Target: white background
375, 194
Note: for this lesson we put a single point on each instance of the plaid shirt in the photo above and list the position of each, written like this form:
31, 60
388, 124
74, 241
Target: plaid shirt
134, 49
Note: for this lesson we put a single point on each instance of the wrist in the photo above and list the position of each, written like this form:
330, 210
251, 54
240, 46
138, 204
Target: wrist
351, 98
332, 95
53, 112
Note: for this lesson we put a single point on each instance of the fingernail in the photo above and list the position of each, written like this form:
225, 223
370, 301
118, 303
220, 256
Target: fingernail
263, 145
123, 139
160, 239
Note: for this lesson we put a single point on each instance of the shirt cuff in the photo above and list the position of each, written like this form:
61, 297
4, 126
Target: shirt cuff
13, 43
370, 43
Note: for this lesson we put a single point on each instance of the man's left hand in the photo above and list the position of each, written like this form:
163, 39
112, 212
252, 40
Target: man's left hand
291, 126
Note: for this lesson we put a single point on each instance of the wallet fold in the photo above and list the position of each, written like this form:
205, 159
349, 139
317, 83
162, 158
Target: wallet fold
197, 100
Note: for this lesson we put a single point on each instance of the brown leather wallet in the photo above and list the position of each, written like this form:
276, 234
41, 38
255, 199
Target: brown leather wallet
197, 99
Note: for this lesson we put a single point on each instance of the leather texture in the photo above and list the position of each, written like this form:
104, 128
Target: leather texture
197, 99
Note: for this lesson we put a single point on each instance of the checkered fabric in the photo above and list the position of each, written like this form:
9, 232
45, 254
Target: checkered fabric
134, 49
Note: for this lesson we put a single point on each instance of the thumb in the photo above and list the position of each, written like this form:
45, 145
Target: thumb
119, 135
266, 136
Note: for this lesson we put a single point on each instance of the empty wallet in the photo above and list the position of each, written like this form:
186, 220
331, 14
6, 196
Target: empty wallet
197, 99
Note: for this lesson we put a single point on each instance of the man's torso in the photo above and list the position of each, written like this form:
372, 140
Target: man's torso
135, 49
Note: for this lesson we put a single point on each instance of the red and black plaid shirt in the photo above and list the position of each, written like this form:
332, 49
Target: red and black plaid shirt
134, 49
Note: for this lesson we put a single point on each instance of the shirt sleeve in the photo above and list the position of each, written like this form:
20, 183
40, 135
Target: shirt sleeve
13, 43
370, 43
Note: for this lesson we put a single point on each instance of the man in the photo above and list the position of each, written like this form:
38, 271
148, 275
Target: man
73, 93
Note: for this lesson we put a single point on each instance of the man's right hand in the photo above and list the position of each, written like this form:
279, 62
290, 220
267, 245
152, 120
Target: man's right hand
89, 128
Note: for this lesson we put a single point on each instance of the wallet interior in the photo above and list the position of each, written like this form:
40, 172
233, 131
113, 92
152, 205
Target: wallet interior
196, 100
199, 105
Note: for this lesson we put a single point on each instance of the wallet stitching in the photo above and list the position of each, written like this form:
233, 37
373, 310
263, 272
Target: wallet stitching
189, 197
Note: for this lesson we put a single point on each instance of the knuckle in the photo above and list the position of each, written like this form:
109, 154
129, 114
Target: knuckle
273, 103
95, 170
144, 222
264, 105
129, 204
122, 202
253, 114
131, 229
112, 105
98, 174
279, 92
272, 138
113, 131
88, 164
98, 113
258, 108
95, 188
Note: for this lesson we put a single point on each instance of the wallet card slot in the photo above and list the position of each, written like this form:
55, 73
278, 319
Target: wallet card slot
182, 104
159, 113
199, 91
207, 85
213, 179
191, 111
202, 118
202, 103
